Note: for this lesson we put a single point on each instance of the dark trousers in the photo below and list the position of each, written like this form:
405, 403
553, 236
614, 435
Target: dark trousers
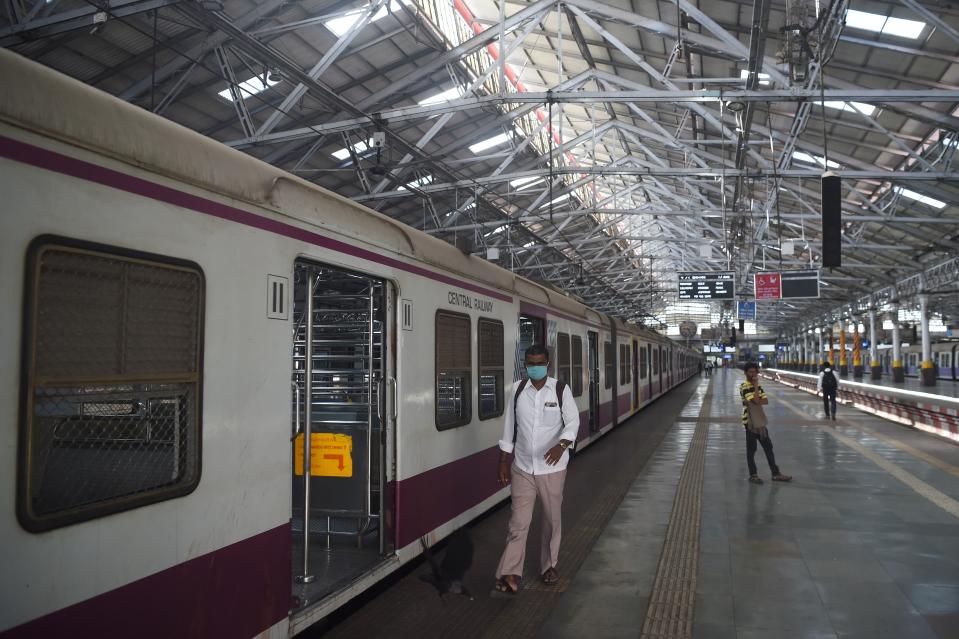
767, 444
829, 400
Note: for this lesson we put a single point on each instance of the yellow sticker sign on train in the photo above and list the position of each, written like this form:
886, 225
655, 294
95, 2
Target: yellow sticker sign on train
331, 455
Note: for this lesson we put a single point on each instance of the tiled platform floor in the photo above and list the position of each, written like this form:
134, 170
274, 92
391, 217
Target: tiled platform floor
847, 550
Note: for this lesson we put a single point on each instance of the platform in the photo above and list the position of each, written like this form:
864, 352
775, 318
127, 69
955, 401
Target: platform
663, 534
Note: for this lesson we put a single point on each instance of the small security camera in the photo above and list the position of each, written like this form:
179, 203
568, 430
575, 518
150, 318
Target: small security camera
379, 139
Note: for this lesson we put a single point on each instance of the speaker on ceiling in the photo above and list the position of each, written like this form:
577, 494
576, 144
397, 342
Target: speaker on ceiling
831, 220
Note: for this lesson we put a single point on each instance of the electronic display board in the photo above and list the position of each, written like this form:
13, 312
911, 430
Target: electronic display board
800, 283
707, 285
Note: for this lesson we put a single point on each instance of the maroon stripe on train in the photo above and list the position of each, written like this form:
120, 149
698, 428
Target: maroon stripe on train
426, 501
52, 161
236, 591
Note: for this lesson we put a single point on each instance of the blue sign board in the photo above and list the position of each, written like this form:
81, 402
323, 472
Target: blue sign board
747, 311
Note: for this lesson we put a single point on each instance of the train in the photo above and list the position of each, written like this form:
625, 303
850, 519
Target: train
943, 357
235, 400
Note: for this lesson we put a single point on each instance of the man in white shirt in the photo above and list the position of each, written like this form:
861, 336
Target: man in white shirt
539, 434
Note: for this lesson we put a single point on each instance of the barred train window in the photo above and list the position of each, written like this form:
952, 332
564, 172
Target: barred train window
113, 365
563, 371
642, 363
491, 360
608, 353
622, 364
577, 365
454, 370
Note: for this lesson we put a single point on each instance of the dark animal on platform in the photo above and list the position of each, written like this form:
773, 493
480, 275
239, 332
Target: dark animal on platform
447, 576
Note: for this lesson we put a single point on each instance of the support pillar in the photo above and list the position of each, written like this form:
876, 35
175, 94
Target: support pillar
875, 370
831, 360
803, 352
857, 368
843, 362
819, 351
898, 373
927, 371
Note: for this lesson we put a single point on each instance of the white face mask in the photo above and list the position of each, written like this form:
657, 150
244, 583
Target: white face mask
826, 370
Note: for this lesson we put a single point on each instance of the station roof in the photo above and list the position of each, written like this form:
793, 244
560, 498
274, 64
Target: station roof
601, 147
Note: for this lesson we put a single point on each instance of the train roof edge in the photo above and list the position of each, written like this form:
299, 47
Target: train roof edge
50, 103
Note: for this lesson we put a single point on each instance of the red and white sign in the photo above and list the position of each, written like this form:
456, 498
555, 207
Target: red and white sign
768, 286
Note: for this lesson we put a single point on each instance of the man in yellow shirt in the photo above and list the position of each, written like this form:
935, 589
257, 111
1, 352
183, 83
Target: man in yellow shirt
751, 391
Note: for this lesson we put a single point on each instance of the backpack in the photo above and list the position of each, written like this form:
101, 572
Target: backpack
560, 391
829, 382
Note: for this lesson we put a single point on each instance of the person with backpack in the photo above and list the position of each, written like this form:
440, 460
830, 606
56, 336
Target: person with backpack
828, 386
541, 424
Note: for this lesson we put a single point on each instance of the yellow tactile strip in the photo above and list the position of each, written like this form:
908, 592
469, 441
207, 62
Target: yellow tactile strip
672, 600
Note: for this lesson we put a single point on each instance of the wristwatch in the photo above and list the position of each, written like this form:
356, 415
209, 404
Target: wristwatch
563, 444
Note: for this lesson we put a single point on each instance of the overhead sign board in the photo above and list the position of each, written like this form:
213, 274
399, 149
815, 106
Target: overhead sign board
707, 285
767, 285
746, 310
800, 283
774, 285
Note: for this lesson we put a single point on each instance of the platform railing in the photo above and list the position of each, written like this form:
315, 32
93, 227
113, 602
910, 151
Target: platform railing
936, 414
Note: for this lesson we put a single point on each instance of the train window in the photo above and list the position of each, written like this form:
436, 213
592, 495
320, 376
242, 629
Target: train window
629, 366
490, 349
577, 382
655, 360
563, 371
622, 364
642, 363
608, 353
112, 371
454, 369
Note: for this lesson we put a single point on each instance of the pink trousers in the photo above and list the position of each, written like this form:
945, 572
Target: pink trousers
525, 489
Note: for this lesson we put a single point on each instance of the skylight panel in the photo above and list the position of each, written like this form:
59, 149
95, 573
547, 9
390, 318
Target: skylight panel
489, 143
250, 87
359, 147
904, 28
919, 197
878, 23
339, 26
852, 107
865, 20
763, 77
445, 96
814, 159
523, 183
561, 198
415, 184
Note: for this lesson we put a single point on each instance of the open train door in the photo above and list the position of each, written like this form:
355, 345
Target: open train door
342, 406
